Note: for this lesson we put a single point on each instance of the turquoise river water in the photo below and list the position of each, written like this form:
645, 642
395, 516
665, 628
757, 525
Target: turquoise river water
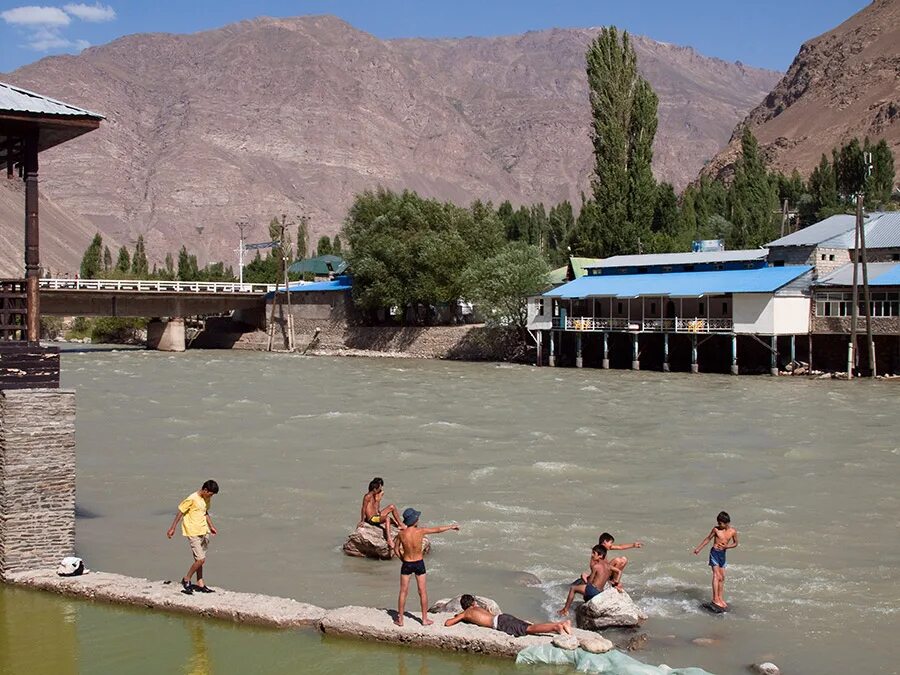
532, 463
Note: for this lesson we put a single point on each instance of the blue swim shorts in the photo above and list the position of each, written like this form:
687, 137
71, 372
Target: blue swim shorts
717, 558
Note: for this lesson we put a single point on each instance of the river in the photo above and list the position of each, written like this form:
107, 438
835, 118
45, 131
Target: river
532, 463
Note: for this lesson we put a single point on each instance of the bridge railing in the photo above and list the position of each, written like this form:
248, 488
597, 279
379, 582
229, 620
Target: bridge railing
154, 286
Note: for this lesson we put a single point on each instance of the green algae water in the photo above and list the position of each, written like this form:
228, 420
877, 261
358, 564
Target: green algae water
533, 464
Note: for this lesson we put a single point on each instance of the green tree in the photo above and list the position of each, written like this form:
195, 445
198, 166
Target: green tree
753, 198
336, 246
823, 190
323, 247
139, 266
302, 246
170, 267
261, 270
849, 169
92, 260
560, 222
107, 259
880, 182
123, 263
501, 284
187, 266
623, 107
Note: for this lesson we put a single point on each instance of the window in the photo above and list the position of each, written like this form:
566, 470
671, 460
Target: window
540, 307
725, 309
896, 256
823, 256
702, 308
642, 270
720, 266
620, 308
831, 256
841, 304
688, 268
653, 308
777, 263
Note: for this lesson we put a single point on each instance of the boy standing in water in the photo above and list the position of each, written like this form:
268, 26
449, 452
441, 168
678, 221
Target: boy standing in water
723, 537
372, 513
592, 583
408, 547
196, 525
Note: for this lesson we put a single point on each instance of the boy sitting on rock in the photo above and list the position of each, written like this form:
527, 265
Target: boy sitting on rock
372, 513
505, 623
593, 582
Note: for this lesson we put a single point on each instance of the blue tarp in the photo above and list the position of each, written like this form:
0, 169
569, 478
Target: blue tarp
611, 663
680, 284
341, 283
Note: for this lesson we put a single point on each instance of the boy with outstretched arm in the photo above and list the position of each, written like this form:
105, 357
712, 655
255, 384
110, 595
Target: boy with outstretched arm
408, 547
196, 525
372, 513
724, 537
607, 542
592, 583
505, 623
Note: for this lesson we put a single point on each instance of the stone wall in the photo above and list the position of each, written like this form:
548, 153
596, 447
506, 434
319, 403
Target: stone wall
37, 478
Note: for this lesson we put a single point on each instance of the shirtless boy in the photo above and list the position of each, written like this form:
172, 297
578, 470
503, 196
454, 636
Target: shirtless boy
724, 537
593, 582
606, 541
408, 547
505, 623
372, 513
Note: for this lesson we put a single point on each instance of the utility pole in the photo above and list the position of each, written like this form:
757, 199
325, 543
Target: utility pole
854, 312
784, 216
867, 159
241, 224
289, 320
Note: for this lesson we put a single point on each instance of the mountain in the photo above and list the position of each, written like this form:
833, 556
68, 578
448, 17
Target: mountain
296, 116
843, 84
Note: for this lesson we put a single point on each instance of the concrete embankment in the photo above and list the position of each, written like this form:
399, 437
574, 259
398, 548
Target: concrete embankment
363, 623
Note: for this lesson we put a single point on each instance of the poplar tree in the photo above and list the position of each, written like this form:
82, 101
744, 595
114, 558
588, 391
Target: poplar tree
302, 238
324, 245
822, 188
91, 262
107, 259
623, 107
753, 198
336, 246
123, 264
139, 265
880, 182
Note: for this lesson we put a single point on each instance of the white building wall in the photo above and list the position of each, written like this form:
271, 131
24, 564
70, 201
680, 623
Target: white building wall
791, 315
754, 313
537, 320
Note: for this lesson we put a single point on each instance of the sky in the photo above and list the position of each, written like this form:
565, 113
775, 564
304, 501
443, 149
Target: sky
762, 33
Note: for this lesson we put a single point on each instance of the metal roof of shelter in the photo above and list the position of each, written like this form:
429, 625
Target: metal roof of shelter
341, 283
680, 284
24, 112
558, 276
882, 231
320, 265
580, 266
689, 258
880, 274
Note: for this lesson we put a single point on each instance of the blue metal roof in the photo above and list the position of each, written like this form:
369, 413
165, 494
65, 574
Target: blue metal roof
880, 274
341, 283
680, 284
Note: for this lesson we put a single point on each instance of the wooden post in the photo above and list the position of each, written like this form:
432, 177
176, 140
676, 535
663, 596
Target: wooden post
538, 361
665, 352
809, 344
695, 367
866, 297
32, 248
773, 367
578, 359
605, 364
734, 358
635, 354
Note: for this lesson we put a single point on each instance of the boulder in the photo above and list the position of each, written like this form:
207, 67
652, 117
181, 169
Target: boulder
565, 642
767, 668
596, 644
609, 609
368, 541
452, 606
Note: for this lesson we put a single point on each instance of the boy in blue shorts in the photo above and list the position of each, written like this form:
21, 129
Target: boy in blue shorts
724, 537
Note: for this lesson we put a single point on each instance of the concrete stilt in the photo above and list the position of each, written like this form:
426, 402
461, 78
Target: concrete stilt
538, 361
605, 364
695, 368
773, 369
734, 359
552, 360
578, 360
793, 348
665, 352
635, 354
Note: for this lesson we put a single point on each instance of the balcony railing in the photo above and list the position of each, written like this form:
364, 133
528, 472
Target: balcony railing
676, 325
142, 286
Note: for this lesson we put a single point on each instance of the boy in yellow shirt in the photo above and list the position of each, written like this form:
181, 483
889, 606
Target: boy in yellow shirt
196, 525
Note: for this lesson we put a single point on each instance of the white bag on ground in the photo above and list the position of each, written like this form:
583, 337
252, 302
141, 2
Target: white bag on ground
70, 567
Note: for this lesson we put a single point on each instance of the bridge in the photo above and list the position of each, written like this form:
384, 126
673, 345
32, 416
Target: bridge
126, 297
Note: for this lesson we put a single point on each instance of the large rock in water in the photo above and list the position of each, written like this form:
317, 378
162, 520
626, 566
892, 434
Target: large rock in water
609, 609
368, 541
453, 606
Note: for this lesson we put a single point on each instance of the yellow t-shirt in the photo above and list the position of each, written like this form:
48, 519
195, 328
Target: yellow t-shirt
193, 510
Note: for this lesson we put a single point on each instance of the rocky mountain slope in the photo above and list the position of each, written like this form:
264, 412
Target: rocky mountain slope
842, 84
295, 116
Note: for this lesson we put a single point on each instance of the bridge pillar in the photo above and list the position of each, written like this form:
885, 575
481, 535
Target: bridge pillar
166, 336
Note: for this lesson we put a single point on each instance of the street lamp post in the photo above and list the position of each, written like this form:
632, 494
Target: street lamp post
241, 224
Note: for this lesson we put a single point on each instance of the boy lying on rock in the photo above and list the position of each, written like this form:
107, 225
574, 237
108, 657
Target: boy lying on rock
505, 623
